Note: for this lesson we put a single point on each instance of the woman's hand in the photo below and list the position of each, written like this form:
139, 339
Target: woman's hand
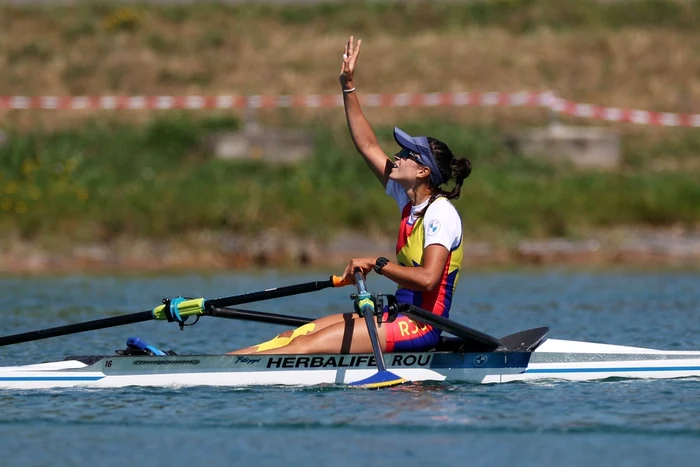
366, 265
347, 69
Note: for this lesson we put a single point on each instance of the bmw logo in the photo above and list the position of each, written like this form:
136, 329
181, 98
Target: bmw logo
433, 227
481, 359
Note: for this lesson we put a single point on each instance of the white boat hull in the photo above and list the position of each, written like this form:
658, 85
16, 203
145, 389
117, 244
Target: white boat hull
585, 361
227, 370
553, 359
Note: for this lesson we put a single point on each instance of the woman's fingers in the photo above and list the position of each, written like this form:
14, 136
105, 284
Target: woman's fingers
353, 53
355, 263
352, 50
366, 265
348, 273
344, 66
356, 51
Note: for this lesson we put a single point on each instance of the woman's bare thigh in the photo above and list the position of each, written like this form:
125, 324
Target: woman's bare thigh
347, 336
323, 323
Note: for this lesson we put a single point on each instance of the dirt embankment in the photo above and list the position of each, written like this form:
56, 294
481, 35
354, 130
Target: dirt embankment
227, 251
198, 50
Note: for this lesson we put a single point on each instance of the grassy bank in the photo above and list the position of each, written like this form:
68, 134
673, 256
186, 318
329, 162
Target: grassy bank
96, 175
106, 180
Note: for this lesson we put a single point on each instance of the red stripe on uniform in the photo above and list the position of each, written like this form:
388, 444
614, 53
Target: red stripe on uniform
404, 229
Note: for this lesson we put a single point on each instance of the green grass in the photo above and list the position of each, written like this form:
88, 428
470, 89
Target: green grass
519, 16
157, 180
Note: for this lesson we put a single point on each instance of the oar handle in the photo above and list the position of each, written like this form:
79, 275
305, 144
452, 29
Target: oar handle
338, 281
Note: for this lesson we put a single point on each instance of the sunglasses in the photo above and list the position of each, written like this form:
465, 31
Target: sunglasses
408, 154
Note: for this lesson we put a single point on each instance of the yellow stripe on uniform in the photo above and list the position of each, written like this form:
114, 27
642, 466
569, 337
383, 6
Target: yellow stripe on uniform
278, 341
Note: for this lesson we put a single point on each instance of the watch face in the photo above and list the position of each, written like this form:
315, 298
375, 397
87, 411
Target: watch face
381, 262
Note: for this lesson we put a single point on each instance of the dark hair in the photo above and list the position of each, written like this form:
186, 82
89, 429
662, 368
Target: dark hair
451, 168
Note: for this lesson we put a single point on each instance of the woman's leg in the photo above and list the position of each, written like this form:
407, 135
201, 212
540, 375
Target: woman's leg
317, 325
323, 323
348, 336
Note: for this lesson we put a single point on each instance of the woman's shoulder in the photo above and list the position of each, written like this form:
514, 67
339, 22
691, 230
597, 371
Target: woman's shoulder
442, 207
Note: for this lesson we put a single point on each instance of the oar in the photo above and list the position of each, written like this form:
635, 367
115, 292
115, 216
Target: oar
76, 328
383, 378
177, 309
278, 292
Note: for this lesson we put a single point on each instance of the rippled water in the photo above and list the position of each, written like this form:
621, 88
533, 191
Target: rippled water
546, 424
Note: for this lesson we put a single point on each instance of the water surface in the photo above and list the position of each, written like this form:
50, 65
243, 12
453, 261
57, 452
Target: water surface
545, 424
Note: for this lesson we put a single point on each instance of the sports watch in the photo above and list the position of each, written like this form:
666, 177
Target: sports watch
379, 264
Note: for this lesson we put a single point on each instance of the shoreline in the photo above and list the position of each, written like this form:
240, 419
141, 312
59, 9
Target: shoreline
227, 251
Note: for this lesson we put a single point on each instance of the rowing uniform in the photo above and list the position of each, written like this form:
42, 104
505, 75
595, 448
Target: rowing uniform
440, 225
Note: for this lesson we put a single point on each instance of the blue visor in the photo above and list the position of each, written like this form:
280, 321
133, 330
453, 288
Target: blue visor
420, 146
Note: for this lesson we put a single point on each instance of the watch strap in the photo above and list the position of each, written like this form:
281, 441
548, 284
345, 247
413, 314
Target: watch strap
379, 264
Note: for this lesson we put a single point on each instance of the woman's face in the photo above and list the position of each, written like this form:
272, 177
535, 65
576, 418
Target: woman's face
407, 167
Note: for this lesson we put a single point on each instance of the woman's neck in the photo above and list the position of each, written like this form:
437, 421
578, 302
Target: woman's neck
418, 195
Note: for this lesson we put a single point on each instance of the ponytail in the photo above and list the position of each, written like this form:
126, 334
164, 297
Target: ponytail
460, 169
451, 168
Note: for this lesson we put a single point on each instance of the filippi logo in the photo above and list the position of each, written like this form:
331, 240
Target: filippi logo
481, 359
247, 360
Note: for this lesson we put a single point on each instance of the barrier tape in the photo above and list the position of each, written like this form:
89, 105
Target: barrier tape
614, 114
495, 99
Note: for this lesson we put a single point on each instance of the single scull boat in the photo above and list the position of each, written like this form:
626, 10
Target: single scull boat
471, 356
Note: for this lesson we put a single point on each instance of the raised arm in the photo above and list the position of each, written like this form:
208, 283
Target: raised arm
362, 135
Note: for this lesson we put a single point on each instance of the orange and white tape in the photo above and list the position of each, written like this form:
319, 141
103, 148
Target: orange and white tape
614, 114
497, 99
237, 102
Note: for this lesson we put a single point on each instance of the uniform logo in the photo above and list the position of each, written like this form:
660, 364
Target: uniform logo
481, 359
433, 227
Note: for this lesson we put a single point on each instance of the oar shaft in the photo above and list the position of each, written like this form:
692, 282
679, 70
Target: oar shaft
368, 312
374, 338
263, 317
76, 328
269, 294
176, 310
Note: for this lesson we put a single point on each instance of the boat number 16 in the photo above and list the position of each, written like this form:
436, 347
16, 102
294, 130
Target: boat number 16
108, 363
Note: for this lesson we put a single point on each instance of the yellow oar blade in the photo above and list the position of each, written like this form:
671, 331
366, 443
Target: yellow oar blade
381, 379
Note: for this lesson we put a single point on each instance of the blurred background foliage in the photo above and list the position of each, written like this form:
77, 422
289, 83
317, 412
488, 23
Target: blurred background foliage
97, 174
157, 180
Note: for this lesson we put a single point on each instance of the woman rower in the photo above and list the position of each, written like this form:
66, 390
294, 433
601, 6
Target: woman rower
429, 246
